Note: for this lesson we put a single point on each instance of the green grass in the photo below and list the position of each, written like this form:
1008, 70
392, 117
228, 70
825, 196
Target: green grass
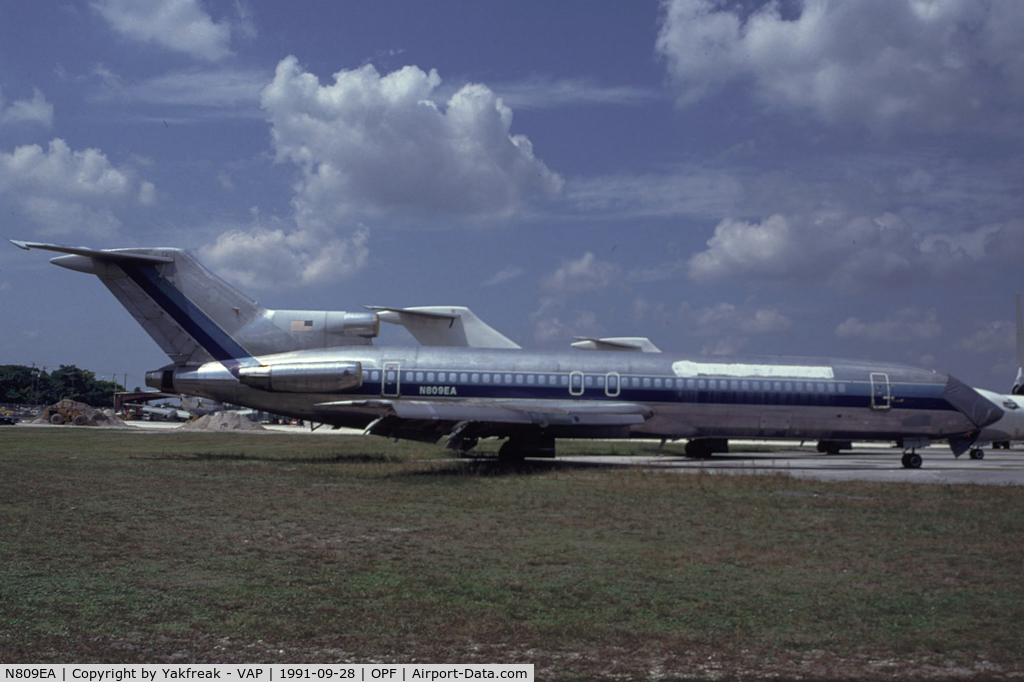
123, 546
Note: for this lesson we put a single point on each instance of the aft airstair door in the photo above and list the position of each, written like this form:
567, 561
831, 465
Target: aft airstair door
881, 393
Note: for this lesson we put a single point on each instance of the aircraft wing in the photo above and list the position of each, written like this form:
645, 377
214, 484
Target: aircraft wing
541, 413
429, 421
620, 343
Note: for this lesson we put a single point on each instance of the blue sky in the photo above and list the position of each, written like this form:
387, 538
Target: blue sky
796, 177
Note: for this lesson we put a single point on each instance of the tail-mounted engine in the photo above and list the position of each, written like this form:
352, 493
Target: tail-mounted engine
303, 377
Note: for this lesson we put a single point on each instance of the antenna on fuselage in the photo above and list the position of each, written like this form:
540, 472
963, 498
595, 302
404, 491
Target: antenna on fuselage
1018, 383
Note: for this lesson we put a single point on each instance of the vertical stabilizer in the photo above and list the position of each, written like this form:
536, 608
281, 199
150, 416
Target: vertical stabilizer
196, 317
193, 315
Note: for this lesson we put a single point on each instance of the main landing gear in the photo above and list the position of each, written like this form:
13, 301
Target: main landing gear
518, 448
911, 460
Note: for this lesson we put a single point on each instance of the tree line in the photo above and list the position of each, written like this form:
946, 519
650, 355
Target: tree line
34, 386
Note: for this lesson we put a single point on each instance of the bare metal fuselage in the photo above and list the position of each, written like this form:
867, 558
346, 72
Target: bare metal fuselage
749, 398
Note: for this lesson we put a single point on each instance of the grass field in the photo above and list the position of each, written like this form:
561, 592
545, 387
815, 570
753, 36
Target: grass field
122, 546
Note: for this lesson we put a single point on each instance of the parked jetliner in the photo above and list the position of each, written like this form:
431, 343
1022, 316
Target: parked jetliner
467, 381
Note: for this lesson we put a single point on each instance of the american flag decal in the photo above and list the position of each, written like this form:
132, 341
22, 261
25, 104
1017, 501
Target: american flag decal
302, 325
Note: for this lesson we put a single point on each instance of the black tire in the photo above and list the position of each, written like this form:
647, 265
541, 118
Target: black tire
912, 460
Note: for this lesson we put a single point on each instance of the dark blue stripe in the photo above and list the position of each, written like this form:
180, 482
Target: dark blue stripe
857, 395
186, 314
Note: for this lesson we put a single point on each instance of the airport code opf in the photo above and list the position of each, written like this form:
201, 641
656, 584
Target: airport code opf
269, 673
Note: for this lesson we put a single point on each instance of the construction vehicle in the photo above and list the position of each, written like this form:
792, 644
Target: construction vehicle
66, 412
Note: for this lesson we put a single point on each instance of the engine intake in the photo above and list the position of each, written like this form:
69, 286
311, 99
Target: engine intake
304, 377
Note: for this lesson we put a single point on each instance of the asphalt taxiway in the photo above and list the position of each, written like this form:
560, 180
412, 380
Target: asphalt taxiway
864, 463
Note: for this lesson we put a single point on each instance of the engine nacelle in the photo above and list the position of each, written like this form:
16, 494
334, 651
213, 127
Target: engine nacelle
303, 377
327, 324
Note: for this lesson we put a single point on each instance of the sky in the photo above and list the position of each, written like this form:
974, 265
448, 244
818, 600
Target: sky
832, 178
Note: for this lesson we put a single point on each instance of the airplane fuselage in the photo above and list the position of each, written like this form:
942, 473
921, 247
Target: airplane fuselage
688, 397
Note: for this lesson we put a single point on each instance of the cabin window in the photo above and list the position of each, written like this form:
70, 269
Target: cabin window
508, 379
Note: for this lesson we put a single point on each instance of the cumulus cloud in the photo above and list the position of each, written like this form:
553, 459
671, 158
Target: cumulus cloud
373, 144
884, 63
846, 251
898, 326
586, 273
69, 192
35, 110
178, 25
263, 257
726, 318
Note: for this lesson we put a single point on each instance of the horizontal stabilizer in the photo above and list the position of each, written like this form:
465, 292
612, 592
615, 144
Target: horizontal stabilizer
626, 343
445, 326
108, 255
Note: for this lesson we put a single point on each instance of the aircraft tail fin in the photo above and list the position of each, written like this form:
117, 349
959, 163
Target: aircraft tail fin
196, 317
191, 314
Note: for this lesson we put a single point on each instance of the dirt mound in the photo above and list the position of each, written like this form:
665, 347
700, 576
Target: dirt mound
77, 414
223, 421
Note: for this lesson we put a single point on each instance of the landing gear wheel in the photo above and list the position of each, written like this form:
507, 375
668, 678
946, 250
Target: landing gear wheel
516, 449
977, 453
911, 460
